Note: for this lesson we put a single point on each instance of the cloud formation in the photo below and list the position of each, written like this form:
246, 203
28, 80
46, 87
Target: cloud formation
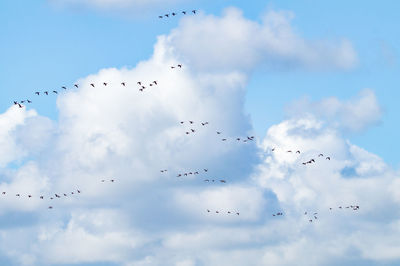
234, 42
353, 115
151, 218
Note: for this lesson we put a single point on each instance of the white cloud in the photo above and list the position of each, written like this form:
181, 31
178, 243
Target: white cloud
352, 115
234, 42
149, 218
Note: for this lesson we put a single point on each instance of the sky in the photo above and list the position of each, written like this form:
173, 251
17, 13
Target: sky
318, 77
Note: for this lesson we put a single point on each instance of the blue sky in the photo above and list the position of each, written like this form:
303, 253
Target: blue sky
325, 81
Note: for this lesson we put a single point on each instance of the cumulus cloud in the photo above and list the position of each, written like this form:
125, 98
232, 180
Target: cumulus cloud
353, 115
234, 42
149, 218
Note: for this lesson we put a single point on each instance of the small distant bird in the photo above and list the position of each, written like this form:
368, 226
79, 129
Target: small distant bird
182, 122
273, 149
237, 213
37, 93
208, 210
191, 122
3, 192
223, 139
112, 180
46, 92
50, 207
76, 85
310, 221
155, 82
29, 196
123, 84
78, 191
180, 66
20, 106
55, 92
17, 195
91, 84
216, 211
194, 11
205, 170
289, 151
298, 152
238, 139
218, 132
140, 83
222, 181
173, 14
166, 15
22, 101
29, 101
328, 158
41, 197
63, 87
105, 83
65, 195
184, 12
193, 130
320, 155
160, 16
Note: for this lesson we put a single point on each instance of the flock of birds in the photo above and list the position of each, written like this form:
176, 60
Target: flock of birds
173, 14
190, 130
53, 196
141, 87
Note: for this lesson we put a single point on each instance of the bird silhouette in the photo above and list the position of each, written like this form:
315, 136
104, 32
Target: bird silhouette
91, 84
194, 11
76, 85
123, 84
46, 92
37, 93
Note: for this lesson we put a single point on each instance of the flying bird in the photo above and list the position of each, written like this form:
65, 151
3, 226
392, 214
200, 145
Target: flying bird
91, 84
194, 11
105, 83
184, 12
63, 87
328, 158
123, 84
55, 92
46, 92
37, 93
76, 85
180, 66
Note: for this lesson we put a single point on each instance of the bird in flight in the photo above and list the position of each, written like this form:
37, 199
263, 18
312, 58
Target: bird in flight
63, 87
91, 84
105, 83
76, 85
46, 92
37, 93
194, 11
55, 92
123, 84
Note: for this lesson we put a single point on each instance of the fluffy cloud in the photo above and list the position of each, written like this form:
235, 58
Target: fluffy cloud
234, 42
353, 116
150, 218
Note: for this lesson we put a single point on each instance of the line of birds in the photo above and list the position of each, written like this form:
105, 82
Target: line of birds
315, 217
227, 212
174, 14
312, 160
124, 84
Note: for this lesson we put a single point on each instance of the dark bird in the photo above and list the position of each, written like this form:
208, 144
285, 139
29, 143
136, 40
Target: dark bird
222, 181
41, 197
155, 82
328, 158
194, 11
192, 130
63, 87
166, 15
229, 212
15, 102
187, 133
112, 180
238, 139
29, 101
237, 213
205, 170
298, 152
310, 221
91, 84
182, 122
304, 163
50, 207
4, 193
160, 16
184, 12
206, 180
223, 139
76, 85
218, 132
123, 84
208, 210
55, 92
78, 191
20, 106
37, 93
105, 83
180, 66
173, 14
46, 92
17, 195
216, 211
179, 175
289, 151
305, 213
320, 155
272, 149
65, 195
140, 83
22, 101
29, 196
191, 122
